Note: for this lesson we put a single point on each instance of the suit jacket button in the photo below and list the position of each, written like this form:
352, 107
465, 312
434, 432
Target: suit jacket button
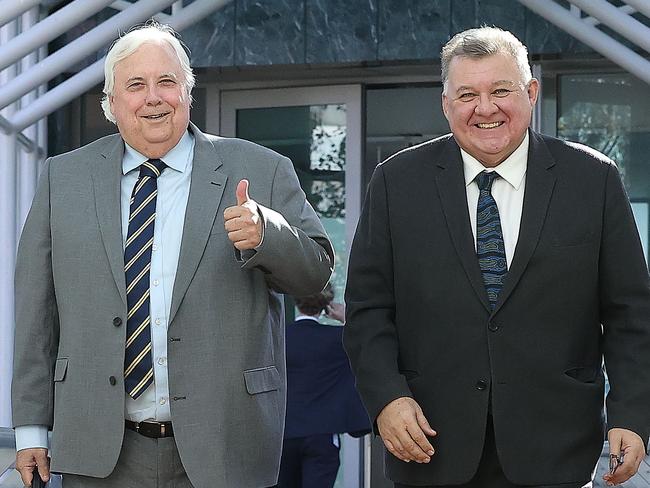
481, 385
112, 380
117, 321
493, 327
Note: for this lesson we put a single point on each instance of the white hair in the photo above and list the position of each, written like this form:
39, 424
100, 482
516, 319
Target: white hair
152, 32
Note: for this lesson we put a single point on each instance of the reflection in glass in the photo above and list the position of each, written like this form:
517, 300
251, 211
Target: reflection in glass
611, 113
314, 138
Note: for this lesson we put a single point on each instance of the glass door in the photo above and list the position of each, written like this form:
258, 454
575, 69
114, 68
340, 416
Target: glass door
319, 129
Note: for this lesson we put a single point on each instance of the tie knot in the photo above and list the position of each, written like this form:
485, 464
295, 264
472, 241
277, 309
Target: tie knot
485, 179
152, 168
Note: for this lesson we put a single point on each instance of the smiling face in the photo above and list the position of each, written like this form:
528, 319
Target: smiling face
149, 101
488, 106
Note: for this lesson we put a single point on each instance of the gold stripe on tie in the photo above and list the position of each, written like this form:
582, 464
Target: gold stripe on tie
139, 277
152, 168
135, 258
137, 359
137, 331
138, 304
139, 185
139, 231
142, 383
142, 205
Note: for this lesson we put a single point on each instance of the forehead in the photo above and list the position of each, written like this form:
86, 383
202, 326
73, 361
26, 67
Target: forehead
150, 59
493, 69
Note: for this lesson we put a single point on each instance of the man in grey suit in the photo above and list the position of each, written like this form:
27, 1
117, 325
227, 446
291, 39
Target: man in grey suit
195, 334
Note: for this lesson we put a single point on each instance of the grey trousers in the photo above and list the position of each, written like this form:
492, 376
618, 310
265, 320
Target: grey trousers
143, 463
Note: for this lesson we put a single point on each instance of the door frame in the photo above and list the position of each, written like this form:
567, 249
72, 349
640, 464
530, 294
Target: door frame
350, 95
230, 101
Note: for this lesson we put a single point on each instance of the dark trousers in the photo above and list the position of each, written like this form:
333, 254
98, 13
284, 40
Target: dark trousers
489, 473
309, 462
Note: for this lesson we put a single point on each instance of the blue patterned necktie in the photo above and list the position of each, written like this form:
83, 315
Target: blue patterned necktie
489, 238
138, 369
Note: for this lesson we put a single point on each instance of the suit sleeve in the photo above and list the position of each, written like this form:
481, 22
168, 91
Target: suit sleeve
370, 335
37, 326
295, 254
625, 313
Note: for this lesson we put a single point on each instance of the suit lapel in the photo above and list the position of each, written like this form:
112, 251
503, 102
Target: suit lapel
107, 187
450, 181
540, 182
206, 189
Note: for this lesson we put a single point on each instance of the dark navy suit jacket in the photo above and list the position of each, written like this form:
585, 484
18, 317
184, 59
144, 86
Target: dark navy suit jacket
321, 397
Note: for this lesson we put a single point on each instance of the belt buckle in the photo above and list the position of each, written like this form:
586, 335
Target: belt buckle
162, 429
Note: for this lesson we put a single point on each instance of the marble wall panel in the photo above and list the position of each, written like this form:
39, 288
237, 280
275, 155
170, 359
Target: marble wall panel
542, 37
212, 40
412, 29
269, 32
341, 30
506, 14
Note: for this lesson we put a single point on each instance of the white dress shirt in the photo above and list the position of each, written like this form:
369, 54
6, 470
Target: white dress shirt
507, 191
171, 202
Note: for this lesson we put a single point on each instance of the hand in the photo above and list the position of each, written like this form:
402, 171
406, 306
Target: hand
336, 311
631, 445
28, 459
404, 428
243, 222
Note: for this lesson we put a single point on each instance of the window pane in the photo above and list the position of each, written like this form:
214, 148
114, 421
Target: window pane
611, 112
314, 137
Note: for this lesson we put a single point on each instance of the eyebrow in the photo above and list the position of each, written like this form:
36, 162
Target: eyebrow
163, 75
496, 83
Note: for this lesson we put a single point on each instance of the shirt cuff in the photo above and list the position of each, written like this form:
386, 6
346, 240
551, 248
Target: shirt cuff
31, 436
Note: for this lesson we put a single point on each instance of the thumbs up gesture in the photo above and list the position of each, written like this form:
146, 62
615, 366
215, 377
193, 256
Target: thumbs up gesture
243, 222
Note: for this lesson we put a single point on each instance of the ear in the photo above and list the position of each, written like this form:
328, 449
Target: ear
533, 90
445, 105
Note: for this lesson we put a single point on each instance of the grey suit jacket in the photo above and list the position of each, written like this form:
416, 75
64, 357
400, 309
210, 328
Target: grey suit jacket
226, 356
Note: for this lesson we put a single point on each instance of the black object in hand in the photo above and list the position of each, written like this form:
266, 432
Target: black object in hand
37, 482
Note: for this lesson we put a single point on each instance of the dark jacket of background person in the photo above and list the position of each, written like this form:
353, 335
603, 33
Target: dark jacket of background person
321, 397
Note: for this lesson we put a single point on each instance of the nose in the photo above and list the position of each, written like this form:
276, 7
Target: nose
153, 97
485, 105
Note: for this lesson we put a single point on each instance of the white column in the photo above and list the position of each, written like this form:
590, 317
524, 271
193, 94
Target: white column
8, 160
18, 178
28, 163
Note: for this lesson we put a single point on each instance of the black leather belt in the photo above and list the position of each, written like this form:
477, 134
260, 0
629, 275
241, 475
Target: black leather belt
155, 430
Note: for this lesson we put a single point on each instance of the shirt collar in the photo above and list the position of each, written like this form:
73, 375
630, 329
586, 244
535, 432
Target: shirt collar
512, 169
306, 317
177, 158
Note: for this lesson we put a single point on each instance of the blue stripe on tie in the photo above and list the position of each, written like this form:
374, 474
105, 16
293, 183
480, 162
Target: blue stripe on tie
490, 249
138, 375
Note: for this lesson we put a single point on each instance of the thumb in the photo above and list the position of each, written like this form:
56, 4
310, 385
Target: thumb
615, 442
242, 192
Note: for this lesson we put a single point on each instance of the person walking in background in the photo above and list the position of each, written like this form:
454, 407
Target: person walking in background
322, 401
492, 271
149, 315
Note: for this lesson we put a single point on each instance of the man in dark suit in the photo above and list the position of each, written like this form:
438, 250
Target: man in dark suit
492, 271
149, 316
321, 399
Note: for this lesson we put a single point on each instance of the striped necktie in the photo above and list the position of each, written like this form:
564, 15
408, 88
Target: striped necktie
489, 238
138, 369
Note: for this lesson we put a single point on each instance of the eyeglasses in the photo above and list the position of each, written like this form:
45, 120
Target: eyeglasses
615, 461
